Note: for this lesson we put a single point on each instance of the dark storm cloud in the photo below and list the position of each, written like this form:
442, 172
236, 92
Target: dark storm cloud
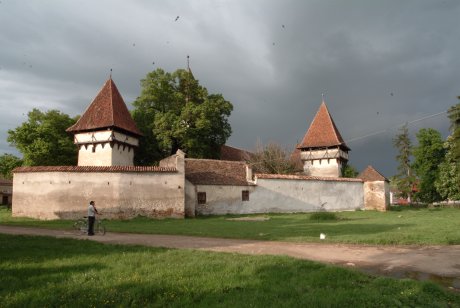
380, 64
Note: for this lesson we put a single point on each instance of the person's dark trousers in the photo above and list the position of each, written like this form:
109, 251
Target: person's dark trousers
91, 225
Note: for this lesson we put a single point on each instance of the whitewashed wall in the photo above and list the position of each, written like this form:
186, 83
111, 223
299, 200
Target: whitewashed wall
282, 196
221, 199
377, 195
123, 194
95, 148
54, 195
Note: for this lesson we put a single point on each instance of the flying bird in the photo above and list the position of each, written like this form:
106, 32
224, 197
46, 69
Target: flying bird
391, 94
177, 18
282, 26
134, 44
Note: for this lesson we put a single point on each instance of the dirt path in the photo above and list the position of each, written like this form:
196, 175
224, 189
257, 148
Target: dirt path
440, 263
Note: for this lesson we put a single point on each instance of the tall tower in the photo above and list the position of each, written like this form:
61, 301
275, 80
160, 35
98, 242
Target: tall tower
322, 150
106, 134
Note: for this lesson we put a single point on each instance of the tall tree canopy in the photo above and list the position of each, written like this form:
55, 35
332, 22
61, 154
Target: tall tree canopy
405, 178
7, 163
43, 141
454, 117
428, 155
448, 182
349, 171
175, 112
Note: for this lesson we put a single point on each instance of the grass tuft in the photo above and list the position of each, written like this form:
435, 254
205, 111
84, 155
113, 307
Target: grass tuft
321, 216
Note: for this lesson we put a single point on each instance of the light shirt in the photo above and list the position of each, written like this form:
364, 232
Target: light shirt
91, 211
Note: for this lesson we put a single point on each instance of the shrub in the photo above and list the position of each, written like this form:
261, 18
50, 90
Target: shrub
323, 216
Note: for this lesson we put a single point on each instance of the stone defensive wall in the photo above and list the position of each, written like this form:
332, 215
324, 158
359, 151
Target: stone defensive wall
276, 193
119, 191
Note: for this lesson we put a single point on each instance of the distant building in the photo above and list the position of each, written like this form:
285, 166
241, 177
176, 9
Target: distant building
234, 154
376, 189
6, 191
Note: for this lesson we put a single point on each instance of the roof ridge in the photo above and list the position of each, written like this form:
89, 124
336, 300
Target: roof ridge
111, 98
216, 160
371, 174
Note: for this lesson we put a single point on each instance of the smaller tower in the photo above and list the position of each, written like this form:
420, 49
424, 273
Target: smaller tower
106, 134
322, 150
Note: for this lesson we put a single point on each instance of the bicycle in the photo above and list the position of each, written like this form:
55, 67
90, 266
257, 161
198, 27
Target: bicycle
81, 226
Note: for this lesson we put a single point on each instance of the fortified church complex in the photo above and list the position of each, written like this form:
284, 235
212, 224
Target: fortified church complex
107, 137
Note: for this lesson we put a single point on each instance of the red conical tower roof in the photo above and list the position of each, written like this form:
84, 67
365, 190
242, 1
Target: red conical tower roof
322, 132
107, 110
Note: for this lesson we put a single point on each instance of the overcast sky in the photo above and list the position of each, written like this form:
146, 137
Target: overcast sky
379, 63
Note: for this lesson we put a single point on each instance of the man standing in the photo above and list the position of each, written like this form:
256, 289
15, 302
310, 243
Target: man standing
92, 211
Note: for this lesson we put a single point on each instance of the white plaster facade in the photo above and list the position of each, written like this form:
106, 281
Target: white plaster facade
126, 193
326, 162
105, 148
281, 195
377, 195
220, 199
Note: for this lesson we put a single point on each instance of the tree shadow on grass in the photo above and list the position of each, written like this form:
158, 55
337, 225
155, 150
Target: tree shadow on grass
184, 279
269, 282
26, 248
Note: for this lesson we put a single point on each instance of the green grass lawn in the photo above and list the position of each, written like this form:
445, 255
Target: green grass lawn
49, 272
408, 226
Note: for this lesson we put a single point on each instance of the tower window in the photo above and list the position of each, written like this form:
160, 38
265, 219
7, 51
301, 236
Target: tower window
94, 148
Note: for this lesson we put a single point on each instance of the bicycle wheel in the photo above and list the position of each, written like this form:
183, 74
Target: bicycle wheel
100, 229
81, 227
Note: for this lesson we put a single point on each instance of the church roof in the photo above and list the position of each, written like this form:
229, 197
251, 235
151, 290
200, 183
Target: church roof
370, 175
107, 110
234, 154
216, 172
322, 131
5, 182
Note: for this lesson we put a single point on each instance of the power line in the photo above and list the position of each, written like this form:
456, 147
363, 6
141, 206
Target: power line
389, 129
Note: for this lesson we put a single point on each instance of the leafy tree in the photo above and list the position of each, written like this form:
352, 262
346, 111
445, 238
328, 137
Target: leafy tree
348, 171
429, 153
272, 159
7, 163
405, 179
43, 141
448, 182
454, 115
174, 111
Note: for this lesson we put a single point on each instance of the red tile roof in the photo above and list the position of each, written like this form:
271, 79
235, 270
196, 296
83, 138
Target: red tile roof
215, 172
93, 169
107, 110
322, 132
234, 154
370, 174
304, 177
5, 182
